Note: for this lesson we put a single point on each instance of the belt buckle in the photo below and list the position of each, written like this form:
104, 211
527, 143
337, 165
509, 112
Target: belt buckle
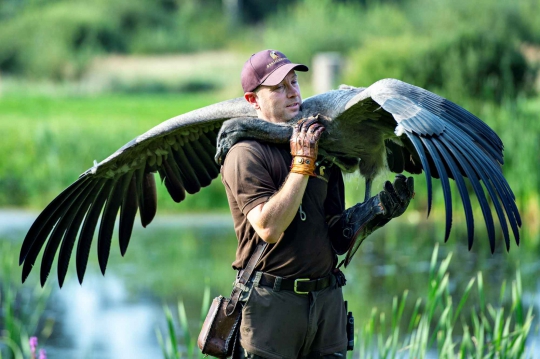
296, 285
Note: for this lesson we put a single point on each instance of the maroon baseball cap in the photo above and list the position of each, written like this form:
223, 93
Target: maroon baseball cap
267, 67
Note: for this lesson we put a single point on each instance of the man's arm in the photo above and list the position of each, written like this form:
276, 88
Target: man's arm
272, 218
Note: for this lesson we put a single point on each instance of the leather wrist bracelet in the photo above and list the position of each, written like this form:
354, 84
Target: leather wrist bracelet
303, 165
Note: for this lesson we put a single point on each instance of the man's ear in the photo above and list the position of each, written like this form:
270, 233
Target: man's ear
251, 97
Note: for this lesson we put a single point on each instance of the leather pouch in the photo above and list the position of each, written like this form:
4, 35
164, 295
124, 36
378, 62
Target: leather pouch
219, 331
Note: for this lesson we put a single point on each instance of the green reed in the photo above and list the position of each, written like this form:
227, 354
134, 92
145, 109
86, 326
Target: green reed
438, 325
178, 340
21, 308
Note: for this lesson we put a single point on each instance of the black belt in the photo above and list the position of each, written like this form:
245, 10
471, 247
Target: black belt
299, 285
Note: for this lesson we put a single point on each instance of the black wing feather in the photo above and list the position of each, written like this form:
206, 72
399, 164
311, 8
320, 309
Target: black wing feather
128, 212
75, 212
420, 149
108, 219
44, 217
89, 227
207, 160
480, 195
172, 180
201, 173
69, 238
40, 238
462, 189
148, 197
59, 232
189, 178
493, 172
461, 118
491, 179
444, 181
451, 143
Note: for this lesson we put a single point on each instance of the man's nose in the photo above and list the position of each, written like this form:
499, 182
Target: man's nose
292, 91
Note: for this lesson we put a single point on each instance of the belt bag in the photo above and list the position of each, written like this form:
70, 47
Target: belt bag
220, 329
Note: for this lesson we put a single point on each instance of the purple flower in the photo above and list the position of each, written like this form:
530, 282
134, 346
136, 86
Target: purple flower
33, 344
42, 354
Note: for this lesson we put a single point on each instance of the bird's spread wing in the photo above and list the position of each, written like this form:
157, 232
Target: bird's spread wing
181, 150
450, 142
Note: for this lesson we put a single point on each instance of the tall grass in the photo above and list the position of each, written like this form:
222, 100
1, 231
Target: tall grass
21, 308
178, 341
438, 325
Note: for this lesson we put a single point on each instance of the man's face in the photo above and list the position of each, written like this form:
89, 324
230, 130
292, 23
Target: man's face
278, 103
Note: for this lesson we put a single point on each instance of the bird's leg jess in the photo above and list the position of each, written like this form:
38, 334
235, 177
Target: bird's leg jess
369, 182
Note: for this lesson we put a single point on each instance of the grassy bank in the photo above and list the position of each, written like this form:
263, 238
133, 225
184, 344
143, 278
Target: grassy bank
51, 140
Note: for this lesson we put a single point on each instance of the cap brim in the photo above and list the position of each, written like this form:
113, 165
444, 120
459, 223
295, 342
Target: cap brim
279, 74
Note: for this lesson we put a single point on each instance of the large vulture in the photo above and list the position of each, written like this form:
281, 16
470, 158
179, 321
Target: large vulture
390, 124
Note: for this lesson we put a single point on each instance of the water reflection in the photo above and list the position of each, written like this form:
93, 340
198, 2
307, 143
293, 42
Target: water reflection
177, 256
99, 320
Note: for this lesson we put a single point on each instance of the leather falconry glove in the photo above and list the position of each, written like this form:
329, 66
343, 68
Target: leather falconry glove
359, 221
305, 145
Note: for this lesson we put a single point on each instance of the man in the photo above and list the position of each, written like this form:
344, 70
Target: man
281, 195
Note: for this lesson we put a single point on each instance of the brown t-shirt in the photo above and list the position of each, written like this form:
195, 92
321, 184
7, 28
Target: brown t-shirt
252, 173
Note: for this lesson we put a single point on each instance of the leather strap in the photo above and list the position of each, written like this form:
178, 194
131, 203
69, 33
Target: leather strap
301, 286
245, 275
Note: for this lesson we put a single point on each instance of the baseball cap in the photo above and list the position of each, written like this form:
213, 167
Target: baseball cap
267, 67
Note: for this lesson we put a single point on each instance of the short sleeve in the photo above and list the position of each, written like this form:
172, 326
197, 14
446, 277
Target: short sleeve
246, 177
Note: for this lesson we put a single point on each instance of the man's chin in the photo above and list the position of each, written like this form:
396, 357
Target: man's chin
290, 114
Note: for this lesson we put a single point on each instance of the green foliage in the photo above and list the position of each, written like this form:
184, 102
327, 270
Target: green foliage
313, 24
188, 26
455, 47
58, 40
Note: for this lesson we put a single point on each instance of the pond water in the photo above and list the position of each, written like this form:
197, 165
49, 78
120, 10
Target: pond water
177, 256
